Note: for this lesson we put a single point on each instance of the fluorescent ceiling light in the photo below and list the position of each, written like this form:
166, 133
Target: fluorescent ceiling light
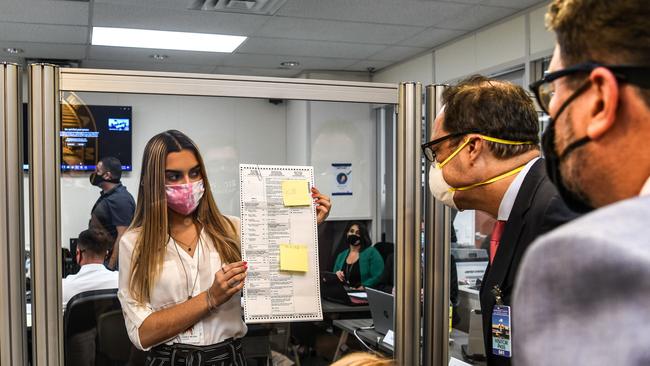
143, 38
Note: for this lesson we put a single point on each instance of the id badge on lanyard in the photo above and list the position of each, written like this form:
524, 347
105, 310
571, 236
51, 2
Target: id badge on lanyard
501, 327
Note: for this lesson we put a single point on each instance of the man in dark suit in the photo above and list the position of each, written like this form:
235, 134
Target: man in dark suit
586, 286
485, 157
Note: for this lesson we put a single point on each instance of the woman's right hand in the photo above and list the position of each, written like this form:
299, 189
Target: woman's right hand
341, 276
228, 281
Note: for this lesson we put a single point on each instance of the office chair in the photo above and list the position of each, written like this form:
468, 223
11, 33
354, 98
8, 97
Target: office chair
80, 322
385, 248
113, 344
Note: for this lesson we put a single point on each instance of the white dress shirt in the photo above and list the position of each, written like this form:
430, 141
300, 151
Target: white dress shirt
174, 284
645, 190
90, 277
508, 200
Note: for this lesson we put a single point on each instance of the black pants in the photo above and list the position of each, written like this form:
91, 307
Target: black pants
226, 353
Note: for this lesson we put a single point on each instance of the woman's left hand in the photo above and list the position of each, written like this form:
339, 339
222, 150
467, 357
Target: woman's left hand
323, 205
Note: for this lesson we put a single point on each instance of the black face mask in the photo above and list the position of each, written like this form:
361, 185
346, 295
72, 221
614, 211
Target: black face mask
575, 201
354, 240
96, 179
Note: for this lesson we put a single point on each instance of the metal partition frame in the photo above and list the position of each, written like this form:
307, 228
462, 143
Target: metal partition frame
436, 258
13, 345
408, 219
45, 221
46, 83
120, 81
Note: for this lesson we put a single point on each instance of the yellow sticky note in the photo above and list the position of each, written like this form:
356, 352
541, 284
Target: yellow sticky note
293, 257
296, 193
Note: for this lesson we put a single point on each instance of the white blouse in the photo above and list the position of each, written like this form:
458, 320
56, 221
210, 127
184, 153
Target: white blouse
174, 285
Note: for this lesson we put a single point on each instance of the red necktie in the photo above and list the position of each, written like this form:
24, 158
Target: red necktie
495, 238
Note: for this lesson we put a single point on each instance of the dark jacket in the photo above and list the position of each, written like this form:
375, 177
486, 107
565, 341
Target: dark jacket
538, 209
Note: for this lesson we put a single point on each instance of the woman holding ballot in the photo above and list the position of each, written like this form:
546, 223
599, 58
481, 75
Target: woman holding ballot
181, 262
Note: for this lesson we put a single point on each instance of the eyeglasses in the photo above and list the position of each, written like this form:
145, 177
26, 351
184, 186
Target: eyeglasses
544, 89
427, 148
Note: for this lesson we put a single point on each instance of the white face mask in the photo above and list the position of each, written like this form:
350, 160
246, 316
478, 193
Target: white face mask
439, 188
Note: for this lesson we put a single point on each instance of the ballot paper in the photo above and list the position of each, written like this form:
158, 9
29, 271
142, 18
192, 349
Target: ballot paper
279, 240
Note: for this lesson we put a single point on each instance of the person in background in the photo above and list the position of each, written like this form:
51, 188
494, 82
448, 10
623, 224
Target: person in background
586, 285
90, 254
113, 210
484, 156
182, 271
360, 265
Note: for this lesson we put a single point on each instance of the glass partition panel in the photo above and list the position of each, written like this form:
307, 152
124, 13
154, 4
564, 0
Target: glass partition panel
334, 137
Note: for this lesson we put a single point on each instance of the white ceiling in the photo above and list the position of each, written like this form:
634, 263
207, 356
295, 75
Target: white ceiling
350, 35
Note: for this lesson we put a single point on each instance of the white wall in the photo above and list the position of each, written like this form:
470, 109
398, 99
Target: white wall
416, 69
322, 133
298, 135
493, 46
228, 131
345, 133
514, 41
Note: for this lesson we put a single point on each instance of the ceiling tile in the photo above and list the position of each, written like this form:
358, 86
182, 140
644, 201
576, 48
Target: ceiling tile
144, 55
129, 16
476, 17
273, 46
26, 32
47, 50
271, 61
396, 53
44, 12
365, 64
419, 13
514, 4
330, 30
169, 4
432, 37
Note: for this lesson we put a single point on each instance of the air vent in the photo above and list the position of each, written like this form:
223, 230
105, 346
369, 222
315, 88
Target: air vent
260, 7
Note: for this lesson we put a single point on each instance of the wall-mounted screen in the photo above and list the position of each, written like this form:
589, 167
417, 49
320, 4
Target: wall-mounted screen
90, 133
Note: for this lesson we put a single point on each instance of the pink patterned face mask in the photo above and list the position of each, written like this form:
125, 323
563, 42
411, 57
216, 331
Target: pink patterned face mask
184, 198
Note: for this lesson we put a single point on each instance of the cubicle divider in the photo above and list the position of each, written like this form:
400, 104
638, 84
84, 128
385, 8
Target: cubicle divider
45, 214
13, 343
48, 84
437, 229
408, 220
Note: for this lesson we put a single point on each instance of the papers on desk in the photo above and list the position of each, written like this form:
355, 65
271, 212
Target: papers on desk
456, 362
279, 240
389, 338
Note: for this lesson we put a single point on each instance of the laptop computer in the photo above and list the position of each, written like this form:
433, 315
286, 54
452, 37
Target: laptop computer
333, 290
381, 308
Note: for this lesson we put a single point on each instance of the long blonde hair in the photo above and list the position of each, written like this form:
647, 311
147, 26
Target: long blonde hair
363, 359
151, 220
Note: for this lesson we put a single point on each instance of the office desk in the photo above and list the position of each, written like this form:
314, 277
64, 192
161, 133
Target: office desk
371, 337
374, 339
468, 299
335, 307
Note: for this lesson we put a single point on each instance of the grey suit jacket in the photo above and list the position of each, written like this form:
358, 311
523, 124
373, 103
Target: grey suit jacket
582, 296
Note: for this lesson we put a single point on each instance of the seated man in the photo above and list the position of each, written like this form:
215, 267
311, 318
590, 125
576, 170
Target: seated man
92, 248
